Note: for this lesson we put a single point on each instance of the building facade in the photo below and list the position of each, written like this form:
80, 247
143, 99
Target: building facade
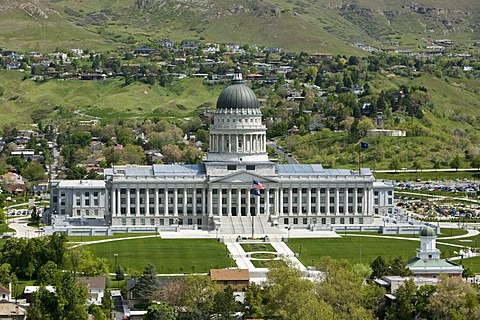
212, 194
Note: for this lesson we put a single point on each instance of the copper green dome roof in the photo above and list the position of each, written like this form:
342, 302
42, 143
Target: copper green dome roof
237, 96
427, 232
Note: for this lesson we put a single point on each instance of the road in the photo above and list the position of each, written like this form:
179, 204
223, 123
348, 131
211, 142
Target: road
426, 170
280, 152
19, 224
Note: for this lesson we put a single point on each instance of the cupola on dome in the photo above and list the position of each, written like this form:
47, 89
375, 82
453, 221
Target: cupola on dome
237, 95
427, 232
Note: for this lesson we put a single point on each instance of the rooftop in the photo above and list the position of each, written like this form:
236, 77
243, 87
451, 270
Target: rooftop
229, 274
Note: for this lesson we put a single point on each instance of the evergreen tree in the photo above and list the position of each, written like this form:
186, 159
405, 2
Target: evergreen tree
147, 284
379, 268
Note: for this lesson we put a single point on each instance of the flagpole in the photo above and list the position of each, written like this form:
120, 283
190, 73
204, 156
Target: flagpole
254, 209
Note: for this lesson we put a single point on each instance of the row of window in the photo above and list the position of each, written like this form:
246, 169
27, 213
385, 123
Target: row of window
322, 221
162, 222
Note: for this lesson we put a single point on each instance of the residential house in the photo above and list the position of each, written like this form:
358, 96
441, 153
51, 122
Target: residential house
29, 290
6, 294
11, 311
238, 279
96, 288
13, 183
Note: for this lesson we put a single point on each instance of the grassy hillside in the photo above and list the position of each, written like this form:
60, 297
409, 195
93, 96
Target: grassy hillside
108, 100
327, 26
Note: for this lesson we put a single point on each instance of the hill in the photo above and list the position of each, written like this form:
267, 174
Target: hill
325, 26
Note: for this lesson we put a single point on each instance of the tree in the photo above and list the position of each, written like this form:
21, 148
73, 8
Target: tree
475, 162
404, 306
172, 293
97, 313
288, 296
379, 268
394, 165
398, 267
66, 303
454, 299
159, 311
199, 296
224, 304
147, 283
47, 274
33, 172
253, 302
343, 287
456, 162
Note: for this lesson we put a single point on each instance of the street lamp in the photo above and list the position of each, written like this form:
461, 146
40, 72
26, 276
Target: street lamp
313, 263
216, 232
289, 227
116, 269
300, 253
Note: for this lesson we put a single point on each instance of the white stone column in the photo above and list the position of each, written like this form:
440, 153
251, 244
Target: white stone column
229, 202
236, 144
309, 201
239, 202
275, 201
165, 201
257, 205
194, 203
220, 201
290, 201
327, 200
281, 200
210, 202
156, 201
175, 202
204, 201
355, 200
184, 201
113, 201
128, 202
267, 201
337, 200
119, 202
300, 200
346, 201
137, 201
147, 201
318, 201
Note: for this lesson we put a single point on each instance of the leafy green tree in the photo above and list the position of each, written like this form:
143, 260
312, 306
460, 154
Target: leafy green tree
342, 287
199, 296
398, 267
404, 307
289, 296
379, 268
33, 172
394, 165
224, 305
454, 299
47, 274
253, 307
97, 313
7, 275
159, 311
456, 162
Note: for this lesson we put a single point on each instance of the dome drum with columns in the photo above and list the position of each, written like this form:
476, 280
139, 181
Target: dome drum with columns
216, 194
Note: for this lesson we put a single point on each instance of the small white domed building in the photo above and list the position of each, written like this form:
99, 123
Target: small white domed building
427, 263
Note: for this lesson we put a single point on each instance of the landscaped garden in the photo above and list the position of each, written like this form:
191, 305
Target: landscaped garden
168, 255
358, 249
252, 247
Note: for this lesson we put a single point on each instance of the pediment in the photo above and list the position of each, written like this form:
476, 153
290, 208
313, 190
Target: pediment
243, 177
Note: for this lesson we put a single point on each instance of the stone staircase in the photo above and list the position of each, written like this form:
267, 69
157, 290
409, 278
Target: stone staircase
242, 226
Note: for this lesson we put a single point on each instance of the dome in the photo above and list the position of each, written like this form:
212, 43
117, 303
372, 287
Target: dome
427, 232
237, 96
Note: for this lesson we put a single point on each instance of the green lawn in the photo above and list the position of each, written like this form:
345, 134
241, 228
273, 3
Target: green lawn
115, 236
252, 247
168, 255
357, 249
472, 263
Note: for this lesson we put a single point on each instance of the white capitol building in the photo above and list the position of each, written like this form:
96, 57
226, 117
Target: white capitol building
216, 194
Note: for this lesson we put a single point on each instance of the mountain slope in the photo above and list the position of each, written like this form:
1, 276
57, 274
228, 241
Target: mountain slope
309, 25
